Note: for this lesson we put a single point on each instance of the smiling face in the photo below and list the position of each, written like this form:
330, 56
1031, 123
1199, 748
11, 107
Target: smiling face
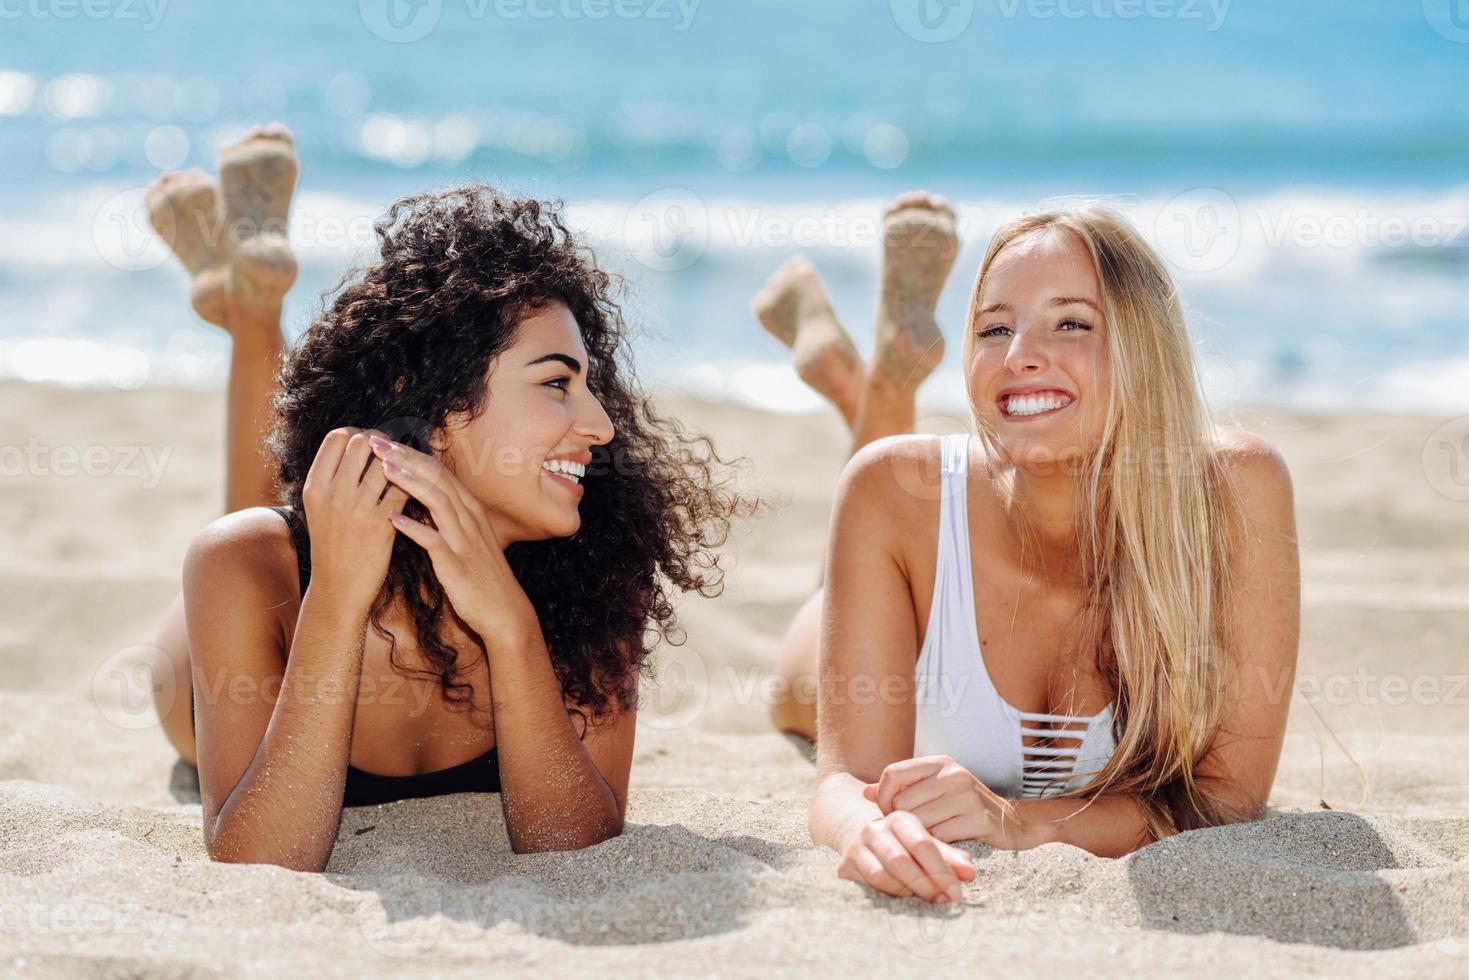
523, 456
1037, 374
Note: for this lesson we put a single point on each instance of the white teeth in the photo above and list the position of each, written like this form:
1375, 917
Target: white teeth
572, 471
1034, 404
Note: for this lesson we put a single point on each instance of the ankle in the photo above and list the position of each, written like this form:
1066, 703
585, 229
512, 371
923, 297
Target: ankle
254, 324
883, 387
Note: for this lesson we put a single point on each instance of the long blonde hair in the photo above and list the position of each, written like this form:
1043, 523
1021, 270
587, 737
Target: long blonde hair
1155, 540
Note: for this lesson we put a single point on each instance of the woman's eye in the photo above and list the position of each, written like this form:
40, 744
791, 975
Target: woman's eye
994, 331
559, 383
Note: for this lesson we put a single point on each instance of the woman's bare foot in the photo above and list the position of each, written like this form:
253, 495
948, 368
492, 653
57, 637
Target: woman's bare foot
919, 247
184, 208
257, 177
795, 309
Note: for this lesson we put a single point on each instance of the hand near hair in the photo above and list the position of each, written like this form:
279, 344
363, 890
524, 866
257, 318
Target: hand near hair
347, 497
466, 553
950, 803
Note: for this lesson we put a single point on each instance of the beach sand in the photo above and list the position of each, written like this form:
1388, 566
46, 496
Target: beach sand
103, 870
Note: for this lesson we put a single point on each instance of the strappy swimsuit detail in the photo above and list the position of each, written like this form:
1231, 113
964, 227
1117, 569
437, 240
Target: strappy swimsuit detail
477, 775
959, 712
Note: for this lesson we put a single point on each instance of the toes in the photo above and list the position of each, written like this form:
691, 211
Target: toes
797, 267
189, 190
272, 131
168, 180
795, 272
795, 287
922, 201
940, 203
257, 135
909, 199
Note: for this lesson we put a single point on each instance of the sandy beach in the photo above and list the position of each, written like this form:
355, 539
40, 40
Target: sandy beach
1360, 869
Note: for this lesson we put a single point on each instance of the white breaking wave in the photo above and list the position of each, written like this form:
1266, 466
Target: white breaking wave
1357, 298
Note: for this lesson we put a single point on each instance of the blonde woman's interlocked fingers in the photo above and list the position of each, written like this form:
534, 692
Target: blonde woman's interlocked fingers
896, 854
950, 802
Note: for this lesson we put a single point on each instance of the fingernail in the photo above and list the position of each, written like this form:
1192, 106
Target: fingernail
391, 466
378, 442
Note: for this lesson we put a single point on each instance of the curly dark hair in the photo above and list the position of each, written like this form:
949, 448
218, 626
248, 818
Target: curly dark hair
407, 342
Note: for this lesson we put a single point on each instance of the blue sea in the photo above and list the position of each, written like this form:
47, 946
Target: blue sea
1303, 165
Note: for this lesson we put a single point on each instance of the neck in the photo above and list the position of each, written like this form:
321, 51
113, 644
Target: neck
1040, 513
507, 532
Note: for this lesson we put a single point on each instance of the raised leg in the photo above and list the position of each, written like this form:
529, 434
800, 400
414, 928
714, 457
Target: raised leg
919, 246
231, 237
254, 360
257, 177
794, 308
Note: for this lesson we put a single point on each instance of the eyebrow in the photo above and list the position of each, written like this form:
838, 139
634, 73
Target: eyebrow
1054, 301
566, 359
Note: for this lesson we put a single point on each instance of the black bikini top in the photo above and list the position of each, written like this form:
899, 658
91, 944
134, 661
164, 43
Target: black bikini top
478, 775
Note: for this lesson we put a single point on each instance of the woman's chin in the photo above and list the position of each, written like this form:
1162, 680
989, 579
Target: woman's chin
560, 524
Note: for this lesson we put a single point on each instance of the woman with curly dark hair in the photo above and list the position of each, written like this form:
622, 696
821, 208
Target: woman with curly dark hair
484, 518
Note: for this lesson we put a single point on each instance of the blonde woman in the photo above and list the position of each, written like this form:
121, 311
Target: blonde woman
1079, 624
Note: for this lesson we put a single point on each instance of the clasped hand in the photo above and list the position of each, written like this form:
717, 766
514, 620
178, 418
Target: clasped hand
928, 803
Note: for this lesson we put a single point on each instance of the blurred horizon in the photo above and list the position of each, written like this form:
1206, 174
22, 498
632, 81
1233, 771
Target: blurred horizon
1302, 167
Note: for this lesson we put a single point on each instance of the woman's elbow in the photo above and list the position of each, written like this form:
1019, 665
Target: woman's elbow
575, 840
223, 850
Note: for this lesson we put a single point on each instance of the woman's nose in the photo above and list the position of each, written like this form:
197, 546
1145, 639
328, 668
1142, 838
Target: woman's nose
1027, 353
596, 424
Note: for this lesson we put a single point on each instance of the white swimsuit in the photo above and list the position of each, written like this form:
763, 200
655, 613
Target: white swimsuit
959, 712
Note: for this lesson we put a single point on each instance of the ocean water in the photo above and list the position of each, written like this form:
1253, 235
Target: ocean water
1304, 167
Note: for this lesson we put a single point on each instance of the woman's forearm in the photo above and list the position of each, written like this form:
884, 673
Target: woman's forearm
1109, 826
553, 796
838, 810
287, 806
